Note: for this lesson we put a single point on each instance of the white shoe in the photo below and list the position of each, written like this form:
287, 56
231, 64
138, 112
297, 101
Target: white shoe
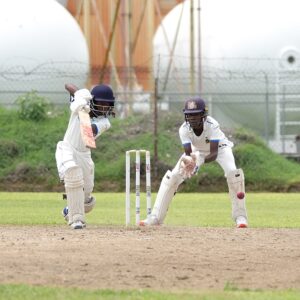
241, 222
77, 225
152, 220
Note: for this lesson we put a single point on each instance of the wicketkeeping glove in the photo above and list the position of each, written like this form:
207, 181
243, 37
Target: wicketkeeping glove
199, 160
187, 166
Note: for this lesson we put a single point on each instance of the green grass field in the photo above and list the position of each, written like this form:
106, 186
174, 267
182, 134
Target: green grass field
22, 292
191, 209
205, 210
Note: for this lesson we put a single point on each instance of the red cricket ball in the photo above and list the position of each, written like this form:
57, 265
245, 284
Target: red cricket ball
240, 195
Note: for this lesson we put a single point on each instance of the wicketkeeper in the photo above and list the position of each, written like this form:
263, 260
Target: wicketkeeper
74, 163
203, 142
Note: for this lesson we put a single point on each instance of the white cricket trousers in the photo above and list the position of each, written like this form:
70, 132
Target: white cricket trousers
226, 160
67, 157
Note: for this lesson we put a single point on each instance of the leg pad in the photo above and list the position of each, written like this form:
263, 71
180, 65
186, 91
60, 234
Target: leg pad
236, 186
75, 195
166, 192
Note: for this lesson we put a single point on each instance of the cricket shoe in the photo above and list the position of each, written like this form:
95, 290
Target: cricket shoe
65, 212
151, 221
78, 225
241, 222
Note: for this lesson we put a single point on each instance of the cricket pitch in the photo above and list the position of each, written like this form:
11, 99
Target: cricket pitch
160, 258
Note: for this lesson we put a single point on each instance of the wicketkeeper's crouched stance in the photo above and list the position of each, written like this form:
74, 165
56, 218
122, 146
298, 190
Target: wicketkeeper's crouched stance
73, 157
203, 142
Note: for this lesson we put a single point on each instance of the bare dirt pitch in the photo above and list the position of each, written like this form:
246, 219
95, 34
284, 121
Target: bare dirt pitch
161, 258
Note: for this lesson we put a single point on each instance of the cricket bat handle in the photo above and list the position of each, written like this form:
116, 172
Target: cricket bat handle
71, 88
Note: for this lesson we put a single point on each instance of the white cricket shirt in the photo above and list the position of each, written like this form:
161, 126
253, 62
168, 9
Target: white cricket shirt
211, 132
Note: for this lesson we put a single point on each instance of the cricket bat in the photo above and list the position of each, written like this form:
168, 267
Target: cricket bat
85, 122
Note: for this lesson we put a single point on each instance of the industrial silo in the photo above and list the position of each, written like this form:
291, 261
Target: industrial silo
242, 56
42, 48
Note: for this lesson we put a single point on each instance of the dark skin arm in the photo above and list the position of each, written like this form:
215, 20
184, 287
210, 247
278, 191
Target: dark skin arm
214, 146
94, 128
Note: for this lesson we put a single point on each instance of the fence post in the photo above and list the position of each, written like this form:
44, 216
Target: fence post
155, 125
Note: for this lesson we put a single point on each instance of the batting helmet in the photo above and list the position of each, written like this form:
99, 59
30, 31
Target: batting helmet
195, 105
103, 101
103, 92
195, 111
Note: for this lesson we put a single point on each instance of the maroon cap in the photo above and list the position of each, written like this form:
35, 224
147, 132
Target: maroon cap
195, 105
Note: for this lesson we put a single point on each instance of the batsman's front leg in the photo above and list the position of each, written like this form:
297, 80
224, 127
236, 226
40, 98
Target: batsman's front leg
88, 168
75, 197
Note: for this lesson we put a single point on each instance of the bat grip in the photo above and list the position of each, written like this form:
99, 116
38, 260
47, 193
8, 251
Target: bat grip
71, 88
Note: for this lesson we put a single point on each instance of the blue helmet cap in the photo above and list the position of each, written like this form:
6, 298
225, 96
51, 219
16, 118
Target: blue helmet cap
102, 92
103, 101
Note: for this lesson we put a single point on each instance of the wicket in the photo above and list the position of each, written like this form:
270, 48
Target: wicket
137, 184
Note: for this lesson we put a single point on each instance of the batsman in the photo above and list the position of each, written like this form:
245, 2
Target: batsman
203, 142
73, 156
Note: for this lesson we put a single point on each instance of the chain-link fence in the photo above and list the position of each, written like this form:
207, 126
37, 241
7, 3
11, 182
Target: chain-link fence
261, 95
47, 79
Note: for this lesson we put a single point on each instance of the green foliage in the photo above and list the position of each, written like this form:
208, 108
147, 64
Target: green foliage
8, 149
264, 170
33, 107
27, 155
244, 136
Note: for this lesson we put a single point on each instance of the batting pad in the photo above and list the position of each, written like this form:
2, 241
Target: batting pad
166, 192
75, 194
236, 184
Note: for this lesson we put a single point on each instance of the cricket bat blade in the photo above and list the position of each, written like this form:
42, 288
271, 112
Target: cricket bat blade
85, 121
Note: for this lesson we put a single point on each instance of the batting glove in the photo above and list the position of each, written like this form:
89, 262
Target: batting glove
81, 101
78, 105
83, 94
86, 108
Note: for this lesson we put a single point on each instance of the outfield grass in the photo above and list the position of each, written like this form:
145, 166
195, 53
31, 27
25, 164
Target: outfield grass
205, 210
23, 292
193, 209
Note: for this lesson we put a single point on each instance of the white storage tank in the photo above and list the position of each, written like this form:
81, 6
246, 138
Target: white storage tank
250, 61
42, 48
